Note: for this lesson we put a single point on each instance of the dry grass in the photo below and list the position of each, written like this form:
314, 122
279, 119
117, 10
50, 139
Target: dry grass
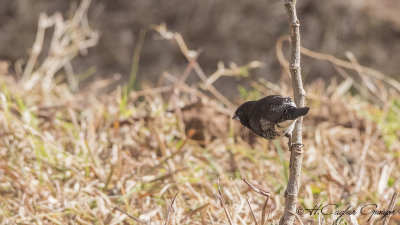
99, 157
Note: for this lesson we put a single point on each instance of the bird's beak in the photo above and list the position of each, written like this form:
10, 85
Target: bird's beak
235, 117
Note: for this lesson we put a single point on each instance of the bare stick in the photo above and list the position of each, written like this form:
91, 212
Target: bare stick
129, 215
261, 192
296, 154
264, 209
252, 213
44, 22
223, 204
257, 189
392, 204
335, 61
191, 57
194, 212
170, 209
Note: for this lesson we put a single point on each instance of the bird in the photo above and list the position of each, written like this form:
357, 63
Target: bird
271, 117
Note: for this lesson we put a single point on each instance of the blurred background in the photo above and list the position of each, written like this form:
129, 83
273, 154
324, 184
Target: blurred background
95, 127
229, 31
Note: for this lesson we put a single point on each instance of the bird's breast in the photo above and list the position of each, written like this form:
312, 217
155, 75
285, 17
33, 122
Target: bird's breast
284, 127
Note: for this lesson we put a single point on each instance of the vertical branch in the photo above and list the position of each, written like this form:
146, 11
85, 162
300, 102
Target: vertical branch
296, 154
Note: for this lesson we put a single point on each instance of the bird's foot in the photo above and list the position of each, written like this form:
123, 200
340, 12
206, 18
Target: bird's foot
289, 136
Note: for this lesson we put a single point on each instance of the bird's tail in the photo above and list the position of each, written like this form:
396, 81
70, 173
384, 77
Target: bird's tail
293, 112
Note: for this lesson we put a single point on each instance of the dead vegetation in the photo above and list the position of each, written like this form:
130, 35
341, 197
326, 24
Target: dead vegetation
155, 156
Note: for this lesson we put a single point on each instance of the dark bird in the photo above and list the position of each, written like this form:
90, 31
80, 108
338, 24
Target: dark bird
271, 117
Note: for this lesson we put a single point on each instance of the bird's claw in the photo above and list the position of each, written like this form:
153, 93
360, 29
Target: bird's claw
289, 136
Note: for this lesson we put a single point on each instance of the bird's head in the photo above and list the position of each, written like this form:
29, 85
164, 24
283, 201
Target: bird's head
241, 113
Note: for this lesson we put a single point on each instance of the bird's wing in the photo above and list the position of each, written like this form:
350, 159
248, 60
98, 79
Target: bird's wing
265, 124
259, 124
255, 125
270, 108
273, 99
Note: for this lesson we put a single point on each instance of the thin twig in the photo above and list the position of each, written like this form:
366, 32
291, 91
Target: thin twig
170, 174
223, 204
257, 189
348, 65
44, 23
170, 209
335, 61
69, 37
153, 91
129, 215
252, 213
194, 212
263, 193
392, 204
296, 155
191, 57
264, 210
